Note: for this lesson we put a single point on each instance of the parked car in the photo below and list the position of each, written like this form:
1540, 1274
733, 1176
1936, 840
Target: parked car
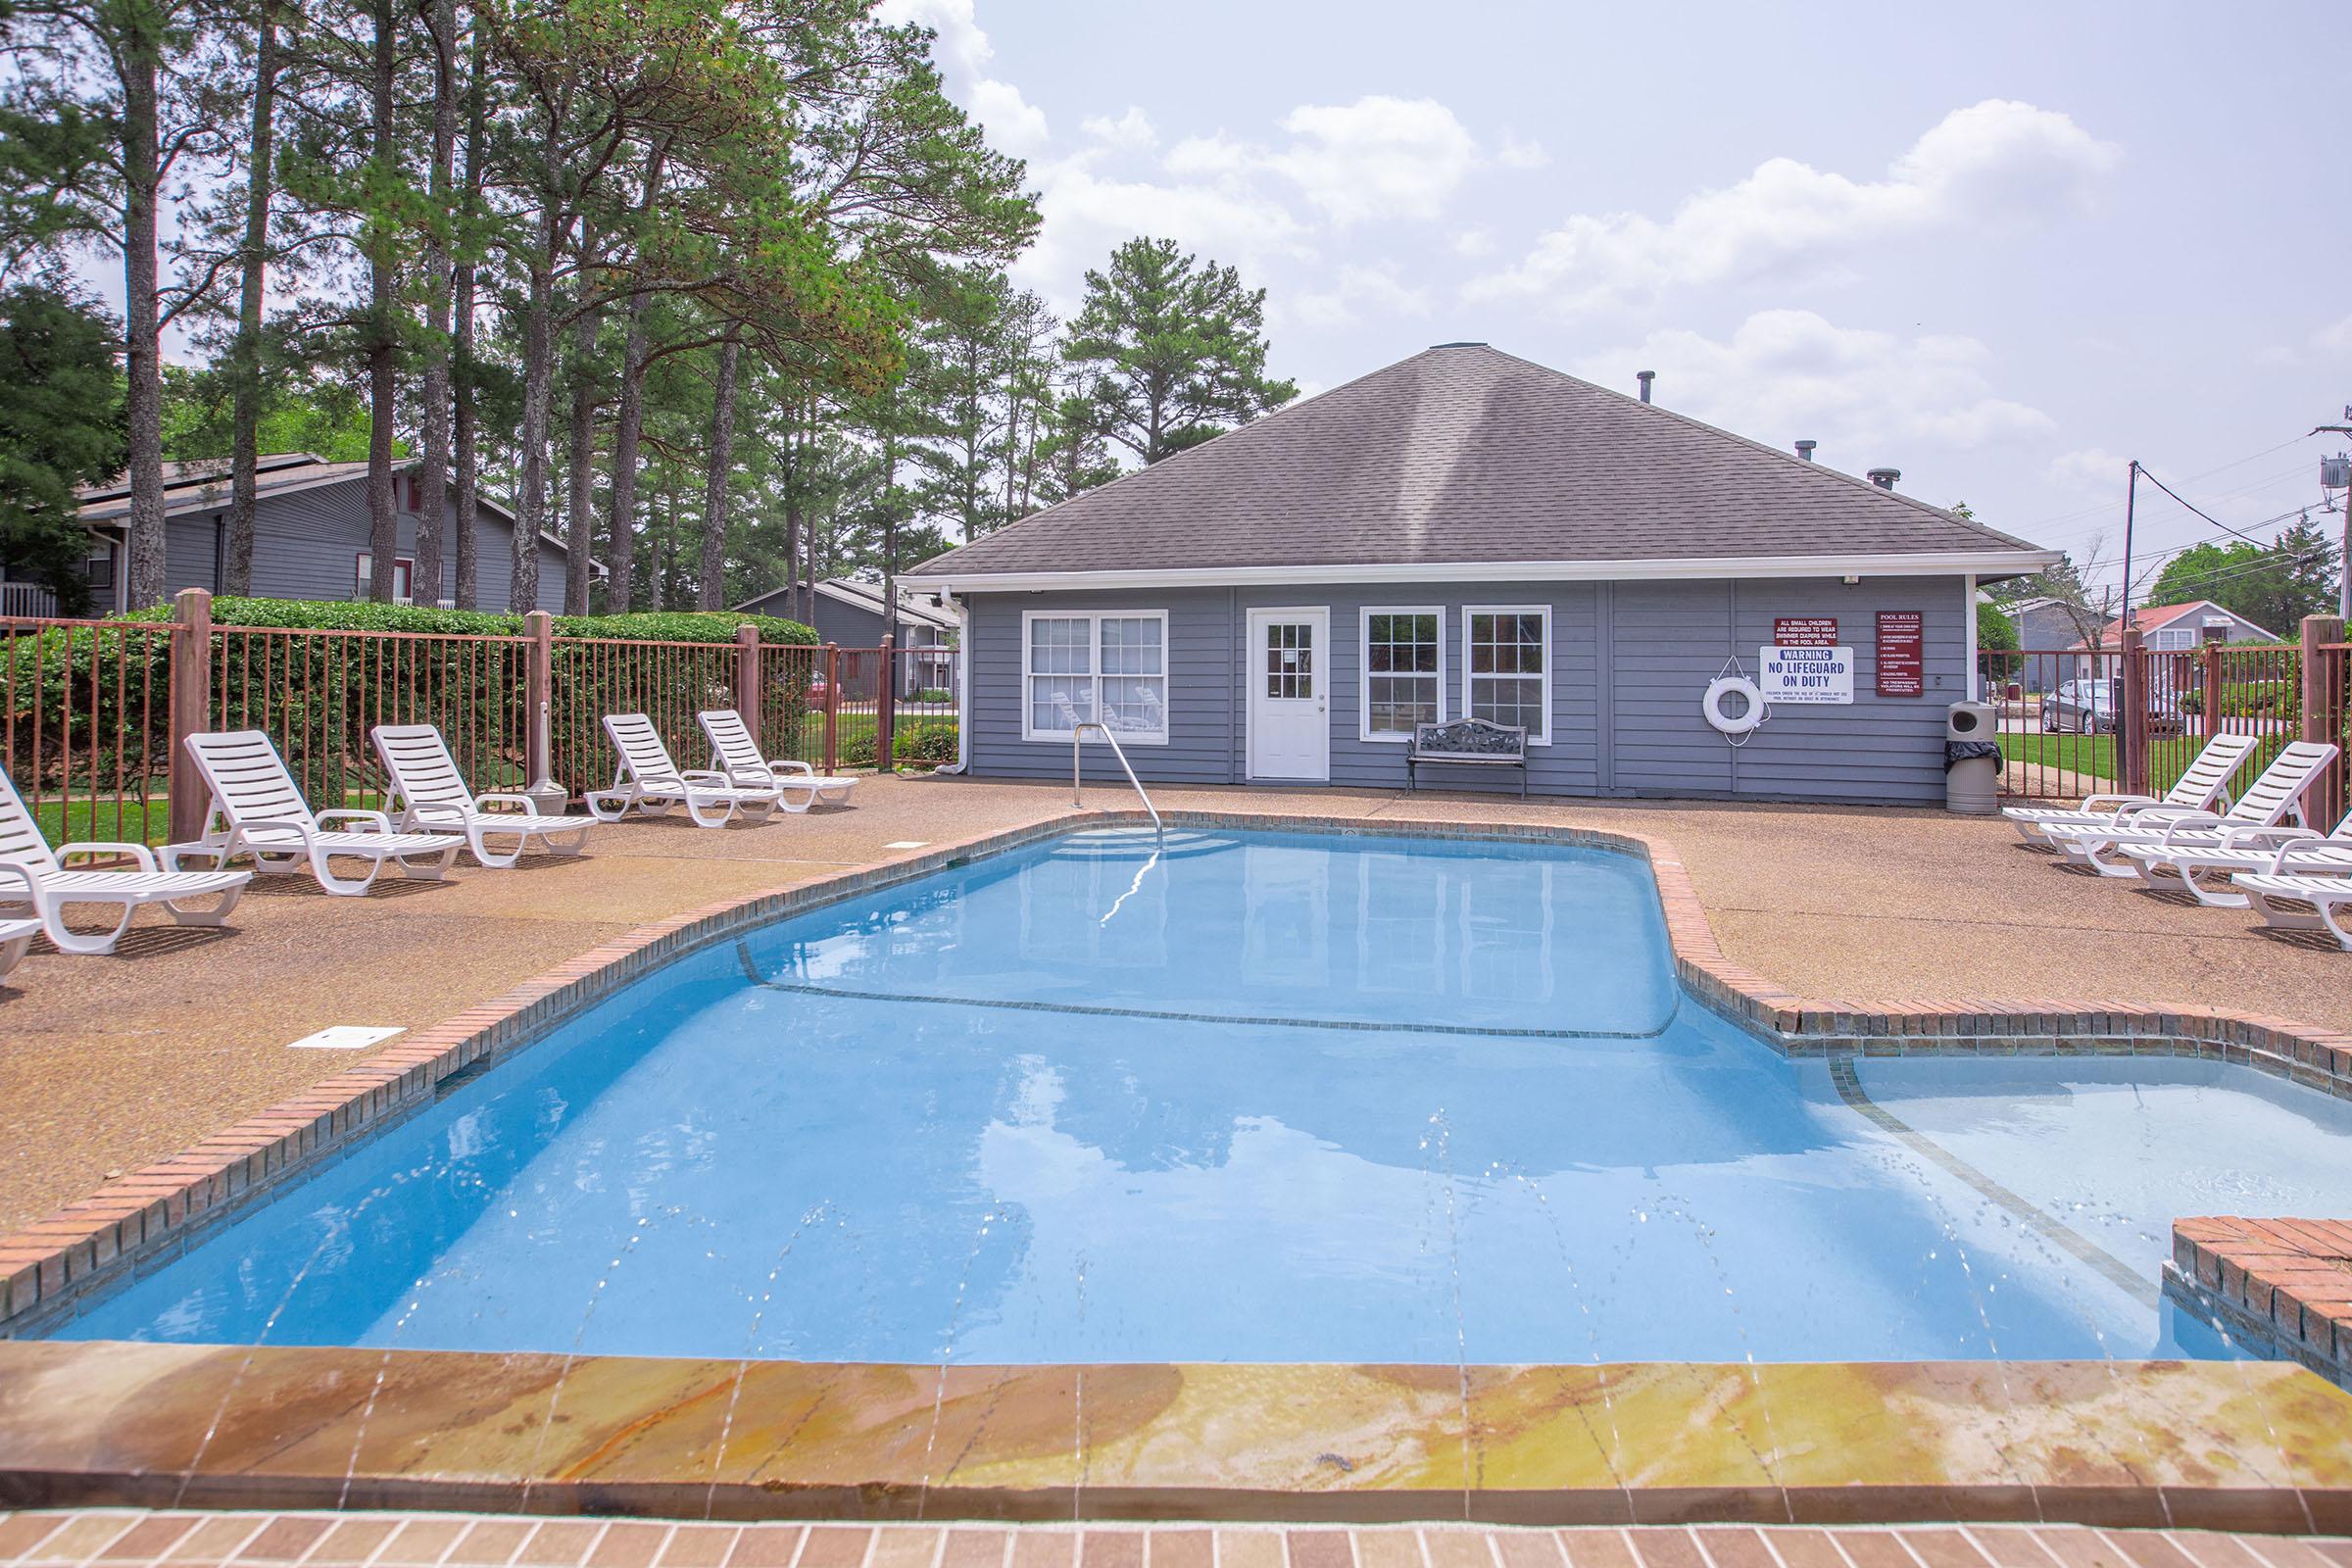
2087, 707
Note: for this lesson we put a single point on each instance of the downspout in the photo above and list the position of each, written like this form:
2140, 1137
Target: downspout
963, 685
1968, 618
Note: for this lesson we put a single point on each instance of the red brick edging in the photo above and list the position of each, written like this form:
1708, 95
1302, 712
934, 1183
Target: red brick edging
2283, 1284
48, 1268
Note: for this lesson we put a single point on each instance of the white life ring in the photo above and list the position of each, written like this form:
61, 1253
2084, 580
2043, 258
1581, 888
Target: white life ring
1725, 686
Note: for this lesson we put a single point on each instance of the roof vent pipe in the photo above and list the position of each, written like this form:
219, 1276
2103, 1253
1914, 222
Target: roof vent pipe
1645, 377
1804, 449
1883, 478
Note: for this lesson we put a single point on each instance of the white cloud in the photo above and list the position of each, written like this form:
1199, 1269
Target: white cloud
2093, 468
1376, 158
963, 49
1517, 153
1355, 292
1868, 397
1217, 156
1989, 163
2336, 338
1473, 243
963, 52
1014, 124
1087, 213
1132, 131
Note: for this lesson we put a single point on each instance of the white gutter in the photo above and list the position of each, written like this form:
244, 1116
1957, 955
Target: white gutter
1987, 562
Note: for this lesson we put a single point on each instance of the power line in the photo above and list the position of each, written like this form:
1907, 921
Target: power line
2098, 571
2234, 462
2199, 511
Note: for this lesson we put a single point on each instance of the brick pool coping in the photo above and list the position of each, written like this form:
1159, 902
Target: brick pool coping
2282, 1284
141, 1221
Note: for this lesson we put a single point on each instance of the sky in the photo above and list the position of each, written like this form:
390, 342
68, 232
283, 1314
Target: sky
2002, 248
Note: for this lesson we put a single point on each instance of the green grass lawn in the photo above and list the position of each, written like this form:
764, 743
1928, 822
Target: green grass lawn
81, 821
131, 821
2093, 755
854, 730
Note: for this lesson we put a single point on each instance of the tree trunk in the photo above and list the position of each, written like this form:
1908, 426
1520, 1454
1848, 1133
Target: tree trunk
710, 587
245, 356
628, 427
143, 399
432, 491
538, 390
579, 537
790, 473
465, 439
384, 515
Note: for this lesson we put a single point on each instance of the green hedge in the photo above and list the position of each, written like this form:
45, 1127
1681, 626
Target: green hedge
364, 615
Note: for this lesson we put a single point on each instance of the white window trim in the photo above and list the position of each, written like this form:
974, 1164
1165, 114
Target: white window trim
360, 585
1550, 720
1363, 680
1094, 620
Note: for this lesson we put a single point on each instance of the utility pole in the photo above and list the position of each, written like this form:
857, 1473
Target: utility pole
2336, 472
2126, 690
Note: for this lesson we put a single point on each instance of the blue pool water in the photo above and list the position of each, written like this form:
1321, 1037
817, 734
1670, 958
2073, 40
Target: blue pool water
1263, 1097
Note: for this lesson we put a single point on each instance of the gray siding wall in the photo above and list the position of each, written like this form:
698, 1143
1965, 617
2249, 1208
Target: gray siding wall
306, 546
1630, 663
845, 625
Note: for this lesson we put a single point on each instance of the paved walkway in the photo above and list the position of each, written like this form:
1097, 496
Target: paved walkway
109, 1064
119, 1539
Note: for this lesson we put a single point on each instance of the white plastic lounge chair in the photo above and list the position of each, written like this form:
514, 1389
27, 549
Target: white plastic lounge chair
258, 810
2325, 895
738, 756
15, 937
648, 781
2247, 852
429, 792
2267, 801
35, 877
2198, 789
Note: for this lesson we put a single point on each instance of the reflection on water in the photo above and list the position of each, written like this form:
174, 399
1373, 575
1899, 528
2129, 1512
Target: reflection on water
712, 1165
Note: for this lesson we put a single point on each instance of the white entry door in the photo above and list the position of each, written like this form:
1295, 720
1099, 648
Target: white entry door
1290, 702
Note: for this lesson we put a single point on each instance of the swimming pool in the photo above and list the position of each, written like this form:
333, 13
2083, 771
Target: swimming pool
1258, 1097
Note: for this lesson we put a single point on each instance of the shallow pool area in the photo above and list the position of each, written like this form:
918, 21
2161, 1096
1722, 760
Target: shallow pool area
1250, 1097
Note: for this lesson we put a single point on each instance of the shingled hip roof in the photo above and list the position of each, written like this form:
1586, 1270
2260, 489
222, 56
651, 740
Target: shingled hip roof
1462, 462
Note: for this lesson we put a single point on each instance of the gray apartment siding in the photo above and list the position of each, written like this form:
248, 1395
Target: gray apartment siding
306, 546
2040, 629
1630, 662
845, 625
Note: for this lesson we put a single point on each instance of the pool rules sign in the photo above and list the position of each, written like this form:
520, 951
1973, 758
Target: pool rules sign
1902, 643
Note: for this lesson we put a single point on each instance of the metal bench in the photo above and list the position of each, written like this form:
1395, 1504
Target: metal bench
1469, 742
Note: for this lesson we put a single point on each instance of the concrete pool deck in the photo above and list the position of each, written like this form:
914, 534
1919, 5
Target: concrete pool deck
2225, 1445
112, 1063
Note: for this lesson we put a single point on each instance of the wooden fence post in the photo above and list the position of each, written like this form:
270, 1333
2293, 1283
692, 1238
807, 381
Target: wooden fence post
2213, 690
538, 681
747, 678
886, 709
190, 703
2132, 726
832, 707
2325, 671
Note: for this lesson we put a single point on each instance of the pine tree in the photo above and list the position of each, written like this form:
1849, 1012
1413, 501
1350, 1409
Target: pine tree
1177, 346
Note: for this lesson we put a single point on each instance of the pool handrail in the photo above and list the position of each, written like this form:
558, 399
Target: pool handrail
1078, 739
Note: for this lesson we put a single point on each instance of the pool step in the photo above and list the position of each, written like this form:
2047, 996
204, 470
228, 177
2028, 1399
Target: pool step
1136, 844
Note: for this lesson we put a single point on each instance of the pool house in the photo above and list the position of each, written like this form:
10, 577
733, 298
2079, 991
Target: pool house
1465, 533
